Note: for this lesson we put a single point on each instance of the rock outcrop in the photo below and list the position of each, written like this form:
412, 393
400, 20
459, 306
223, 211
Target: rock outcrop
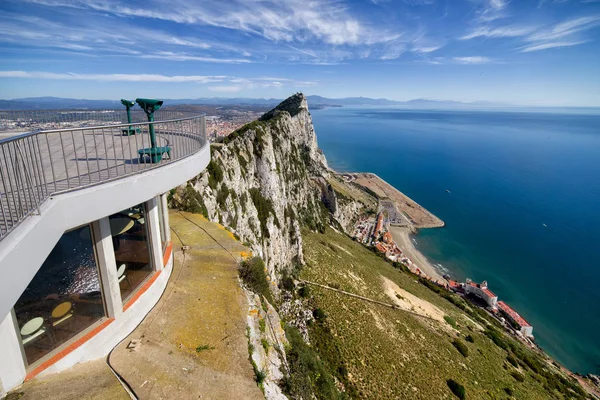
267, 180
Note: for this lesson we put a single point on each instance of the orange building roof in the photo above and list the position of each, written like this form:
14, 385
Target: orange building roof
513, 314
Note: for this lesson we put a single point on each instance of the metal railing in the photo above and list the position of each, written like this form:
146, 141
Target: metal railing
36, 165
34, 120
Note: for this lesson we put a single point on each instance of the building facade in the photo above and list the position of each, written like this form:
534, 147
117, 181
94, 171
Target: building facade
85, 249
516, 320
481, 291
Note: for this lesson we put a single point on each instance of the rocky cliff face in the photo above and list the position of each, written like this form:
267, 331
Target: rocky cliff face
265, 182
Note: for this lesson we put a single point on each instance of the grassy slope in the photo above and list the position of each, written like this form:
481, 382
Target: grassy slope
389, 353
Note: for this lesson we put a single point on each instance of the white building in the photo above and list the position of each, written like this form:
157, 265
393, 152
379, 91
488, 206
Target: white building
519, 322
85, 249
481, 291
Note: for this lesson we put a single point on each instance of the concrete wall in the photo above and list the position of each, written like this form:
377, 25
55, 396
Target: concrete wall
25, 249
12, 367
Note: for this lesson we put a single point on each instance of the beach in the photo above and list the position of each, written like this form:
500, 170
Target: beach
402, 238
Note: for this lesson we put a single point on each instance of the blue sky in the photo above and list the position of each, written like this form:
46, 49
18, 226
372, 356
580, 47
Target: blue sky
542, 52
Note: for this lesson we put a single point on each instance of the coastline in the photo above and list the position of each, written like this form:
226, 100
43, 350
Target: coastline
402, 238
409, 217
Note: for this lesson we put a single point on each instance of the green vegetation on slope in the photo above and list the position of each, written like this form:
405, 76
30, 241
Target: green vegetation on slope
387, 353
254, 275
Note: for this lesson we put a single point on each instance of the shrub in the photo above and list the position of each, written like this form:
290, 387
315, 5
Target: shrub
264, 207
200, 349
461, 347
192, 201
262, 325
456, 388
252, 272
222, 196
265, 344
508, 391
215, 174
288, 283
470, 339
517, 376
304, 291
496, 338
259, 374
319, 314
512, 360
309, 376
450, 320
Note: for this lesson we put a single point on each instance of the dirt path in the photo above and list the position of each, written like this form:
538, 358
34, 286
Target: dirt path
193, 343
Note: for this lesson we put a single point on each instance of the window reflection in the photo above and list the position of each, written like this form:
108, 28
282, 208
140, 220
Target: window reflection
63, 298
132, 248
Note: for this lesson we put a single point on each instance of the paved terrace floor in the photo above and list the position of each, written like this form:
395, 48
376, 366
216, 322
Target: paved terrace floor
203, 305
54, 162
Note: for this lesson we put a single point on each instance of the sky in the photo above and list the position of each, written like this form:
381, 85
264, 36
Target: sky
540, 52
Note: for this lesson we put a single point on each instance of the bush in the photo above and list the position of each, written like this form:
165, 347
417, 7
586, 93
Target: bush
222, 196
450, 320
265, 344
461, 347
215, 174
259, 374
262, 325
470, 339
192, 201
517, 376
496, 338
512, 361
264, 207
508, 391
309, 376
319, 314
252, 272
456, 388
304, 291
288, 283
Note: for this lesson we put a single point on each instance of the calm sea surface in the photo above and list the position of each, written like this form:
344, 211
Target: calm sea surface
523, 210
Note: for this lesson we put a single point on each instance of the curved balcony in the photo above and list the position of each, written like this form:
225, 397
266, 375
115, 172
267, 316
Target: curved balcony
89, 148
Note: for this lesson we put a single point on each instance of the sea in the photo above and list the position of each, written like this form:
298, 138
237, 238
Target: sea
519, 191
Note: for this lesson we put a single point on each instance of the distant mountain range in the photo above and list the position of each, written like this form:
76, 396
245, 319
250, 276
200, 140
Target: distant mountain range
41, 103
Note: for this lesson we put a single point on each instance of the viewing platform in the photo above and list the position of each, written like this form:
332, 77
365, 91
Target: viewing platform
85, 239
89, 148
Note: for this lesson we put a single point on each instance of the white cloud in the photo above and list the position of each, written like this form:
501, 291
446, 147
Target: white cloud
112, 77
499, 32
472, 60
225, 89
564, 34
550, 45
226, 83
167, 55
566, 28
290, 21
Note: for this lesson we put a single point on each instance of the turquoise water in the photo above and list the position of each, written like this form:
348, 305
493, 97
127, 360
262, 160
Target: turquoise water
508, 174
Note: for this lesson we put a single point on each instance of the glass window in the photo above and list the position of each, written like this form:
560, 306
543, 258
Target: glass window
63, 298
161, 223
132, 248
